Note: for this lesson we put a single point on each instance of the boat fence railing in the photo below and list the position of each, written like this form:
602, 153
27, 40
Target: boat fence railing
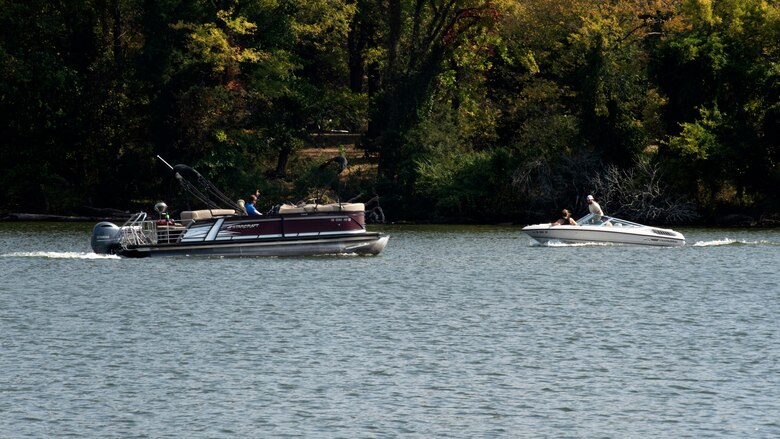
138, 231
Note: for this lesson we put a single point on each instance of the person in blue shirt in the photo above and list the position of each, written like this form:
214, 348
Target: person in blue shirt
250, 206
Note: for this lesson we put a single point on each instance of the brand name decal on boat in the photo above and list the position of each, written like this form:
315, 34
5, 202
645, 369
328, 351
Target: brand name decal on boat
243, 226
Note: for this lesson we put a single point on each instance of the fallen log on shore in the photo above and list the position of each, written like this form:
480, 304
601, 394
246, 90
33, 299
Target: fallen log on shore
60, 218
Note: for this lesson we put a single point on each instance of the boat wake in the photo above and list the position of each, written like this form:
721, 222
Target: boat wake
730, 241
58, 255
554, 243
712, 243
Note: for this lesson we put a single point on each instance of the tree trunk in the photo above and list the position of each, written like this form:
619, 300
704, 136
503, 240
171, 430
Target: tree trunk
284, 156
356, 44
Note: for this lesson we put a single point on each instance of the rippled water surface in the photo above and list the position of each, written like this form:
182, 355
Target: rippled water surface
451, 332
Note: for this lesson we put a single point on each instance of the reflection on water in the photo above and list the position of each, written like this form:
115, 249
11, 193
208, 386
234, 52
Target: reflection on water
451, 332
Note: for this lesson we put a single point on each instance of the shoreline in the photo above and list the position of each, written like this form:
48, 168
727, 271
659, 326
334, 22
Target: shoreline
726, 221
37, 217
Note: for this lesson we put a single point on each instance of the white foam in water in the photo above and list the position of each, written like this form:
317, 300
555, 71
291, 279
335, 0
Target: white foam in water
556, 243
728, 241
713, 243
59, 255
724, 241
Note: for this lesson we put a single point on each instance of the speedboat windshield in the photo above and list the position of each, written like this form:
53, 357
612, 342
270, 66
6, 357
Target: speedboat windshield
604, 221
589, 220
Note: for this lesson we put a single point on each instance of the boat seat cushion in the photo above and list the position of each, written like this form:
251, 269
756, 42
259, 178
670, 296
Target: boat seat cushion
311, 208
193, 215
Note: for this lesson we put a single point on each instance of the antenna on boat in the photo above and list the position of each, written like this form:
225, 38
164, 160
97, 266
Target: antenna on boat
181, 172
163, 160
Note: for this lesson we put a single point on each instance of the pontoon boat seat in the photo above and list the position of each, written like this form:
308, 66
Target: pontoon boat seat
311, 208
189, 216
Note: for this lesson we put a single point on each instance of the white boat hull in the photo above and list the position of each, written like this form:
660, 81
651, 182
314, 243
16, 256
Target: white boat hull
617, 232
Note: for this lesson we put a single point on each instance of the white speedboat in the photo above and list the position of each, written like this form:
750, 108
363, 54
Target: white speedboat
596, 228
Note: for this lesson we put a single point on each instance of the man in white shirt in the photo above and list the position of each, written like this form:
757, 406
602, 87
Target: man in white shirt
595, 209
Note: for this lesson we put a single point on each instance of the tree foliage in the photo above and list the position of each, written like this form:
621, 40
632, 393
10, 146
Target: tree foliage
469, 108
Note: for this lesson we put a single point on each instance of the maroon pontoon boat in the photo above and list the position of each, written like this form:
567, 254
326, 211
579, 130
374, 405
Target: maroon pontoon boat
289, 230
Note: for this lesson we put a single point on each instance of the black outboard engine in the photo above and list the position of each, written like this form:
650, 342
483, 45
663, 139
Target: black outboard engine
105, 238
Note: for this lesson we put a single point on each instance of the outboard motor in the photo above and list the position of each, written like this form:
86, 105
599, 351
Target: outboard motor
105, 238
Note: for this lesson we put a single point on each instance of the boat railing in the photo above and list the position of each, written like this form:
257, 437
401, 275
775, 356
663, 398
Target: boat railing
138, 231
169, 232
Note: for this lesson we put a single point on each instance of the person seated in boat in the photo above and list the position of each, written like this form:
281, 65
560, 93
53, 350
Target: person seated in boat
565, 219
250, 206
595, 209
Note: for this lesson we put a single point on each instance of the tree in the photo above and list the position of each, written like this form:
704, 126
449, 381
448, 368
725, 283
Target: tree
418, 39
574, 92
719, 74
70, 100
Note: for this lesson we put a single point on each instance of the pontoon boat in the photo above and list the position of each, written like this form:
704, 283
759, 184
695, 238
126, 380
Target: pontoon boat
288, 230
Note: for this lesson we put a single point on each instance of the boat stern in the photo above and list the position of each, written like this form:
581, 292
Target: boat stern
106, 238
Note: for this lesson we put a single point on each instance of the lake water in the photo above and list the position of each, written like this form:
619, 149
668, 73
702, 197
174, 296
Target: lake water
452, 332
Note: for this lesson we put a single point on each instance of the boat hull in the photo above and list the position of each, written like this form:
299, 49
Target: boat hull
295, 231
360, 244
545, 233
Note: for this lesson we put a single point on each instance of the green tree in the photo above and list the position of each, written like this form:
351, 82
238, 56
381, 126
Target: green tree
574, 92
719, 73
70, 101
418, 42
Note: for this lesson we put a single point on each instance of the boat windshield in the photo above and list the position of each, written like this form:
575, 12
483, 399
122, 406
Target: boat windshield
605, 221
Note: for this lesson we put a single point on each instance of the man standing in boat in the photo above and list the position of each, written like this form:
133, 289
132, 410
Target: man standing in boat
595, 209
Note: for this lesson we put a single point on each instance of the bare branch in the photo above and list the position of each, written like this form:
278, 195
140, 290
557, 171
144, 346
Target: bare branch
638, 194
